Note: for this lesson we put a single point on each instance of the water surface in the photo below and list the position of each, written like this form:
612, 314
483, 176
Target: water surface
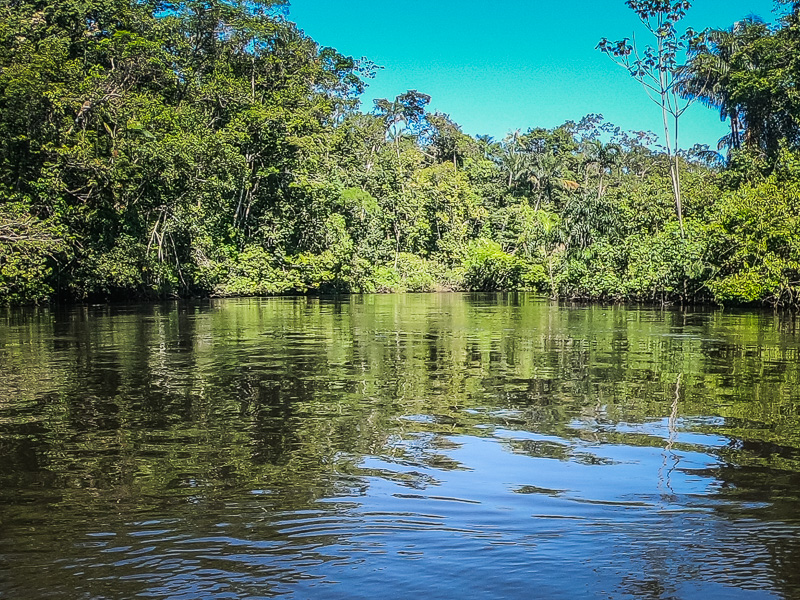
446, 446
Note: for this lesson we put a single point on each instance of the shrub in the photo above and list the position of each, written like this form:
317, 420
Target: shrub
415, 273
255, 272
489, 268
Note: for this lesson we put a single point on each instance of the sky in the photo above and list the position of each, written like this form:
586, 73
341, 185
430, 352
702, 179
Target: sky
499, 66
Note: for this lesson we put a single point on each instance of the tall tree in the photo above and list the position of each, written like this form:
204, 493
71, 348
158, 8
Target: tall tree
715, 55
657, 68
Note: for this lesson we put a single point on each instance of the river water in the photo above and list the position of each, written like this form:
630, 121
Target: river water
441, 446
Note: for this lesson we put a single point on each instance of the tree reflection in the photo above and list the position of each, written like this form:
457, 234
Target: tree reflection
257, 409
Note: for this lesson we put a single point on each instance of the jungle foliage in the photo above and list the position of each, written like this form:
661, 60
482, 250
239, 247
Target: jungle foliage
209, 147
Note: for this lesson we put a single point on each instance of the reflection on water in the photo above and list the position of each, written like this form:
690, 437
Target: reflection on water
384, 446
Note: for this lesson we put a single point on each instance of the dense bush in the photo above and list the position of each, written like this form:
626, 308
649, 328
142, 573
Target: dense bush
29, 248
488, 268
757, 244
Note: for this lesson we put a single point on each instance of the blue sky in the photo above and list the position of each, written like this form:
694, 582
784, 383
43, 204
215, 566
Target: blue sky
510, 64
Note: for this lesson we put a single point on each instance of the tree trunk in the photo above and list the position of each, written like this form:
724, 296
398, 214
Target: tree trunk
677, 182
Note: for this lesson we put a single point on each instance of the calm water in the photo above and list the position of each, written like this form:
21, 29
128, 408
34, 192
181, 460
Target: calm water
446, 446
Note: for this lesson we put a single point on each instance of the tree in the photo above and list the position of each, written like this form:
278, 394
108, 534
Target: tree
599, 159
715, 55
657, 69
514, 160
446, 140
28, 248
405, 112
763, 85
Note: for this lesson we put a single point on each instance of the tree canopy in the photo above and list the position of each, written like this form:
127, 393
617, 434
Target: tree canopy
162, 149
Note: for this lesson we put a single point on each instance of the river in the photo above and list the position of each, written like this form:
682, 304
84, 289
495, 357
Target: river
441, 446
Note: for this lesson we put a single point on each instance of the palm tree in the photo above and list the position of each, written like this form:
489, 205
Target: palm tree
514, 159
600, 159
713, 59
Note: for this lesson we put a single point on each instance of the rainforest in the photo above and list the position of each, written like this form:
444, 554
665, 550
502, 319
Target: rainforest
153, 149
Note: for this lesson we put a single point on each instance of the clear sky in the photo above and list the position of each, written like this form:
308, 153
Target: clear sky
499, 66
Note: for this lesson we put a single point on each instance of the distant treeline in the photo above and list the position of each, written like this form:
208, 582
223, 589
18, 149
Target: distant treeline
157, 149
